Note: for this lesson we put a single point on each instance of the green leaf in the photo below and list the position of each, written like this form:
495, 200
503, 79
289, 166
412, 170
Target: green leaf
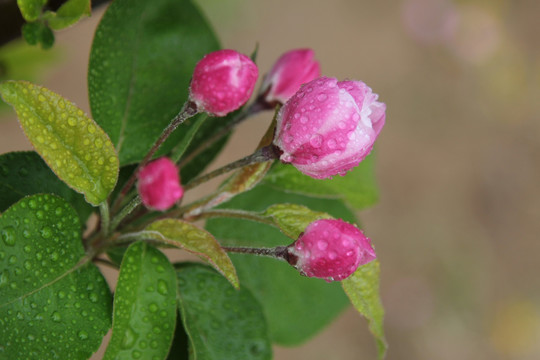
221, 323
188, 237
357, 188
362, 287
74, 147
141, 62
31, 9
38, 32
31, 32
54, 301
25, 173
144, 306
292, 219
296, 307
68, 14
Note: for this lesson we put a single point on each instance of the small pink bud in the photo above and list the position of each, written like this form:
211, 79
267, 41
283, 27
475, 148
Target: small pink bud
222, 82
330, 249
329, 126
159, 184
292, 69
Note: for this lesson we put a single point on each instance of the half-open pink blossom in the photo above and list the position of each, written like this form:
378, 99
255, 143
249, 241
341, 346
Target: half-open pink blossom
291, 70
159, 184
222, 82
329, 126
330, 249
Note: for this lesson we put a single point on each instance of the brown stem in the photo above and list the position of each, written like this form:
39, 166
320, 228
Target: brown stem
279, 252
263, 154
253, 109
188, 110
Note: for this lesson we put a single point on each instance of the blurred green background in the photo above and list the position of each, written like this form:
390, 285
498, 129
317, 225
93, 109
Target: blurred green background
457, 226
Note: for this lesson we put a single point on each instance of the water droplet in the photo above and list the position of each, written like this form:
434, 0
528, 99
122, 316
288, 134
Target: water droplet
136, 354
91, 129
162, 287
12, 259
316, 140
23, 171
143, 344
322, 97
129, 339
288, 138
93, 297
46, 232
83, 335
61, 294
40, 214
153, 307
27, 265
322, 245
153, 344
58, 211
72, 121
304, 119
331, 143
56, 317
332, 255
8, 235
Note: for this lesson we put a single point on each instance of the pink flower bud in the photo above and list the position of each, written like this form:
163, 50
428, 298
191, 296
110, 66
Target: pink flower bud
222, 82
330, 249
292, 69
159, 184
329, 126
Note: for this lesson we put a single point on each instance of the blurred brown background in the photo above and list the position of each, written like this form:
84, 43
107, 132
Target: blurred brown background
457, 228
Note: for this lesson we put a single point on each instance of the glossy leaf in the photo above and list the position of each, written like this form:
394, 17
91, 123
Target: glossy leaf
295, 307
357, 188
25, 173
188, 237
74, 147
31, 9
141, 62
68, 14
362, 287
54, 300
292, 219
144, 314
222, 323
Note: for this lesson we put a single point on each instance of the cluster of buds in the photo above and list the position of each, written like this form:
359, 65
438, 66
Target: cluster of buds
324, 128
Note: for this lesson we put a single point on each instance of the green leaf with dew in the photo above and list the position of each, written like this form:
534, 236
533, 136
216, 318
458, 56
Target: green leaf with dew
141, 63
186, 236
296, 307
25, 173
222, 323
144, 314
54, 300
362, 287
73, 145
357, 188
